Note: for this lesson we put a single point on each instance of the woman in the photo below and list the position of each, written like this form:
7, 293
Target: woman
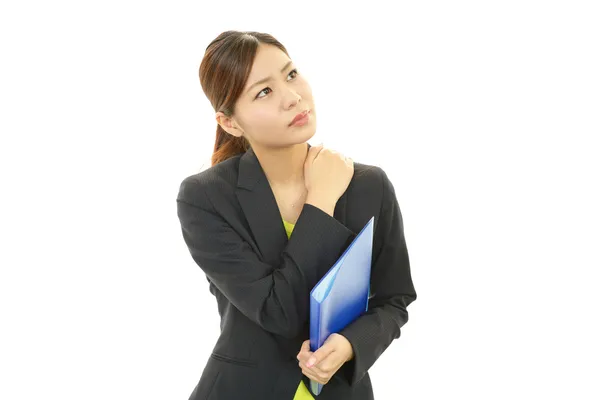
237, 219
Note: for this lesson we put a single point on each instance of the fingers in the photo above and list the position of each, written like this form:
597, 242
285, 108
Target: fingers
318, 149
313, 152
315, 373
323, 371
322, 378
304, 353
305, 346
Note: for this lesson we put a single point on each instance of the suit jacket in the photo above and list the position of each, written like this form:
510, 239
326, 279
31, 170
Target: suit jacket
231, 224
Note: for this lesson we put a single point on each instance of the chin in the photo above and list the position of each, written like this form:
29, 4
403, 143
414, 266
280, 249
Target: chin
306, 136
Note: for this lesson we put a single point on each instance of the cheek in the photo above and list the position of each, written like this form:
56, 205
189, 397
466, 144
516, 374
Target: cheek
263, 115
264, 120
305, 89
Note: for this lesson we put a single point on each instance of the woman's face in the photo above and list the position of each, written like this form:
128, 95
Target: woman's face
264, 110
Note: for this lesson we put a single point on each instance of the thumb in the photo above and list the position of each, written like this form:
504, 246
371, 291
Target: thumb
313, 152
319, 355
305, 346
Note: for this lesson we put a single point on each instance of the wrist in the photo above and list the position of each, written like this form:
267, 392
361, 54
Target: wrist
320, 202
351, 356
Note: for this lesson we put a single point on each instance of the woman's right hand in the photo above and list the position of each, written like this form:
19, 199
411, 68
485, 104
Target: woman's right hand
327, 173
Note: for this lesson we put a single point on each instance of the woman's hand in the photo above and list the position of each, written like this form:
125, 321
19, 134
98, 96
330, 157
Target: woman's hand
327, 173
322, 364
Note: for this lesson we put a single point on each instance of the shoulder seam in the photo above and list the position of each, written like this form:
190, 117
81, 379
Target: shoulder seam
207, 204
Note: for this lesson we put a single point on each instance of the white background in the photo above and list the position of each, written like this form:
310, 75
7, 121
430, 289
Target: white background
485, 115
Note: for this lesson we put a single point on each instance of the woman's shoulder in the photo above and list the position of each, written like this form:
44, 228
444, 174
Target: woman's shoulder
221, 177
367, 177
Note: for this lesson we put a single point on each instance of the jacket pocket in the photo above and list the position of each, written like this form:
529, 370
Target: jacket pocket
232, 360
239, 379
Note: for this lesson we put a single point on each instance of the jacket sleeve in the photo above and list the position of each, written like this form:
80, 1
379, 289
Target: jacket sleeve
392, 289
276, 297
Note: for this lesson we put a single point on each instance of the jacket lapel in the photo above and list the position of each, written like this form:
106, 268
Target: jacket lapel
261, 210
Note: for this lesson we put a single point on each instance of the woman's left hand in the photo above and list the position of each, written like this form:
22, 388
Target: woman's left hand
322, 364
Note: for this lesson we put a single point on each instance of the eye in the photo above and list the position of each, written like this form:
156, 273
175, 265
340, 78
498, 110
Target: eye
295, 71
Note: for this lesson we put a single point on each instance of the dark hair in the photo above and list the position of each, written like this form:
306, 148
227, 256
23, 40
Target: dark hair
224, 71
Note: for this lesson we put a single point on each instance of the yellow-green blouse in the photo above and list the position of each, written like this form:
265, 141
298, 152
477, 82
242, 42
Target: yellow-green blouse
302, 393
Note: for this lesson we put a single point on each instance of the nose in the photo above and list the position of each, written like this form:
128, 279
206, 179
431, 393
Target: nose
293, 99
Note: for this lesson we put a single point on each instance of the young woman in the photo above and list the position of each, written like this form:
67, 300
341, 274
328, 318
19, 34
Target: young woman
269, 218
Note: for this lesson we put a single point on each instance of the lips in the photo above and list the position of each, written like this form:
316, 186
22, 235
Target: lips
299, 117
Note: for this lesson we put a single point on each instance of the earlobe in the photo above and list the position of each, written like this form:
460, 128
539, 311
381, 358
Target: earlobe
228, 125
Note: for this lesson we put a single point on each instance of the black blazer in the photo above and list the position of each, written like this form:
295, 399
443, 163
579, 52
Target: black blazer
232, 226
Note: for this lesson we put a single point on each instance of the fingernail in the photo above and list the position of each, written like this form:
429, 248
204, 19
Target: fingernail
310, 362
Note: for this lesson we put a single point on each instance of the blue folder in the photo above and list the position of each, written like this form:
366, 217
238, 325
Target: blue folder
342, 294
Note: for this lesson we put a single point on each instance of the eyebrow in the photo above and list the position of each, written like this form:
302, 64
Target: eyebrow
269, 77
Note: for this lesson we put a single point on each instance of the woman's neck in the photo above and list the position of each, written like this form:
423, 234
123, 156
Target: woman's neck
284, 167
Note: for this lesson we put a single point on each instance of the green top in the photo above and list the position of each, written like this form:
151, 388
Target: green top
302, 392
289, 227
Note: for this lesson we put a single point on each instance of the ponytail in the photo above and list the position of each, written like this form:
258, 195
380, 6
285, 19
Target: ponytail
227, 146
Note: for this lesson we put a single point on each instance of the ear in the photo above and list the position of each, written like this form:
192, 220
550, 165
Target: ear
228, 124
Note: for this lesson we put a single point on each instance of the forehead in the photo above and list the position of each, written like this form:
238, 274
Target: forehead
268, 62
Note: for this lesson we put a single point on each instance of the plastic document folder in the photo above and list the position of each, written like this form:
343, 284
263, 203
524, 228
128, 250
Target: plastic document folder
342, 294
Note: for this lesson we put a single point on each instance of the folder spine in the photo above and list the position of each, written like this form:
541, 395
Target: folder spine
315, 325
315, 336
